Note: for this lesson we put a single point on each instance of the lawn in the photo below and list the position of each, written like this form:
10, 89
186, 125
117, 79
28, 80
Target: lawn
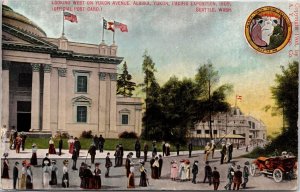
110, 144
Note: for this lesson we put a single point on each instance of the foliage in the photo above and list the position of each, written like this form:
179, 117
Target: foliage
128, 135
256, 152
125, 86
86, 134
63, 135
276, 38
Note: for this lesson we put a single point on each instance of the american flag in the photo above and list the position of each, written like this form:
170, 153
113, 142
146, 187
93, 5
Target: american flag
121, 26
70, 17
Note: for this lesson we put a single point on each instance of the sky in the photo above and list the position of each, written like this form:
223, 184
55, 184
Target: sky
179, 40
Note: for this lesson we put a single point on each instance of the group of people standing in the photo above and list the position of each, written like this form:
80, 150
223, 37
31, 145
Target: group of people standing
237, 176
90, 179
17, 140
226, 152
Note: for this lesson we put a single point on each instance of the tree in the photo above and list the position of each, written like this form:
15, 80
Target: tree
124, 84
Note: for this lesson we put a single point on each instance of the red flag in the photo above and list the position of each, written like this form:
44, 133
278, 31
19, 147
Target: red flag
121, 26
70, 17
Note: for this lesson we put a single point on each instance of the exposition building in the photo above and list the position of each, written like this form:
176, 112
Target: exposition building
52, 85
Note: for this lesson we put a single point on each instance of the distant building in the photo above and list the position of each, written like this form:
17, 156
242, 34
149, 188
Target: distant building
53, 85
233, 126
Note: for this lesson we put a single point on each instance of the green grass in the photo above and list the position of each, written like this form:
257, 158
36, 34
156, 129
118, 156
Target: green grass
110, 144
256, 152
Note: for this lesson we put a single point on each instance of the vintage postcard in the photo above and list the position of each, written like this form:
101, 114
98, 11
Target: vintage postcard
149, 95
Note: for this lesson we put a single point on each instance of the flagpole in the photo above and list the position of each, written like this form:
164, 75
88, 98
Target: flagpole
114, 37
235, 100
63, 29
102, 29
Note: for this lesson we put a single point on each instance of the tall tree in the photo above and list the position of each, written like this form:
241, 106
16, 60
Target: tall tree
125, 86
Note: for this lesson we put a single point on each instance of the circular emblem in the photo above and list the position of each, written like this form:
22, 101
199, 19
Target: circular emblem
268, 30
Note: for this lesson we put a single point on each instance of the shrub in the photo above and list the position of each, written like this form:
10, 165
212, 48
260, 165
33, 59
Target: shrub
86, 134
63, 135
128, 135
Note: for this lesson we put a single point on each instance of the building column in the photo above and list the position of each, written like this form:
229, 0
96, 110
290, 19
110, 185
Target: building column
35, 98
102, 104
113, 103
46, 98
5, 94
62, 73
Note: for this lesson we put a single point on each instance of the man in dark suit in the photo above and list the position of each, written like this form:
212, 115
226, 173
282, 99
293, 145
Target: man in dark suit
190, 149
177, 148
160, 162
15, 174
92, 152
137, 148
74, 158
60, 145
77, 146
45, 159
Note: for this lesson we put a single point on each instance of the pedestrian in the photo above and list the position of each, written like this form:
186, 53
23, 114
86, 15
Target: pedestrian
81, 174
45, 159
18, 142
146, 148
223, 153
181, 170
97, 176
207, 173
65, 178
127, 165
213, 147
155, 168
11, 140
245, 174
5, 174
121, 154
151, 166
15, 175
230, 150
108, 164
60, 145
24, 137
33, 160
230, 175
177, 148
96, 141
92, 152
101, 143
216, 178
71, 144
160, 162
29, 177
190, 149
23, 175
74, 158
187, 170
131, 183
195, 171
237, 178
51, 149
164, 148
168, 149
137, 148
46, 174
207, 151
77, 146
143, 176
174, 170
154, 150
54, 173
117, 151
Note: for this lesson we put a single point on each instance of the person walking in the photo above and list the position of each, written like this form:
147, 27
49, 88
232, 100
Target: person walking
23, 175
46, 159
33, 160
23, 137
77, 146
18, 142
177, 148
212, 149
101, 143
97, 176
181, 171
131, 183
187, 170
29, 177
195, 171
54, 173
127, 165
65, 178
143, 176
190, 149
74, 158
168, 149
121, 154
160, 162
5, 174
96, 141
51, 149
154, 149
15, 175
46, 174
81, 174
164, 148
174, 170
146, 148
155, 168
245, 174
230, 150
137, 148
216, 178
207, 173
60, 145
223, 153
207, 151
92, 152
108, 164
71, 144
230, 175
237, 178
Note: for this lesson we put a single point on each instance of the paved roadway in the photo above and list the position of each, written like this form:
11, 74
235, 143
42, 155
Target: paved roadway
118, 180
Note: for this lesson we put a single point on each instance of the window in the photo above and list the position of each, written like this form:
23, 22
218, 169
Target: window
81, 114
233, 132
82, 84
198, 131
125, 119
215, 132
206, 131
25, 80
24, 106
253, 125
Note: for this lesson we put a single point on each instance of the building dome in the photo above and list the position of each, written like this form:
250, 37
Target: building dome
10, 17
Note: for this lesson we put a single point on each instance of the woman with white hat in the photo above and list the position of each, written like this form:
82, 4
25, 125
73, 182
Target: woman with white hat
33, 160
46, 174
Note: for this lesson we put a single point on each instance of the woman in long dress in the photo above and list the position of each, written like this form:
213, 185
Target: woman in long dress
71, 144
51, 146
181, 171
54, 173
65, 178
23, 175
33, 160
174, 170
97, 177
5, 174
46, 174
187, 170
143, 177
131, 183
155, 169
29, 177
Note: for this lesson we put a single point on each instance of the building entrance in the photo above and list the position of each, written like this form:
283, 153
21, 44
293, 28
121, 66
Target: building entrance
23, 116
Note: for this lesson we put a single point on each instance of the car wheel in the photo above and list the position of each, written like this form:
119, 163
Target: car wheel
252, 169
277, 175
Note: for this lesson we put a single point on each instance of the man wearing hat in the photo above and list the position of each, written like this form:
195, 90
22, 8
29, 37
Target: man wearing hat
230, 175
237, 178
108, 164
97, 176
223, 153
195, 171
208, 173
54, 173
92, 152
45, 159
15, 174
245, 174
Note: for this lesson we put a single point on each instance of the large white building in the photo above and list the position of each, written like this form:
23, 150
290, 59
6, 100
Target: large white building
233, 126
54, 85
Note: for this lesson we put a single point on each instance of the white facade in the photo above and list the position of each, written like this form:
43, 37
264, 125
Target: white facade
54, 85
